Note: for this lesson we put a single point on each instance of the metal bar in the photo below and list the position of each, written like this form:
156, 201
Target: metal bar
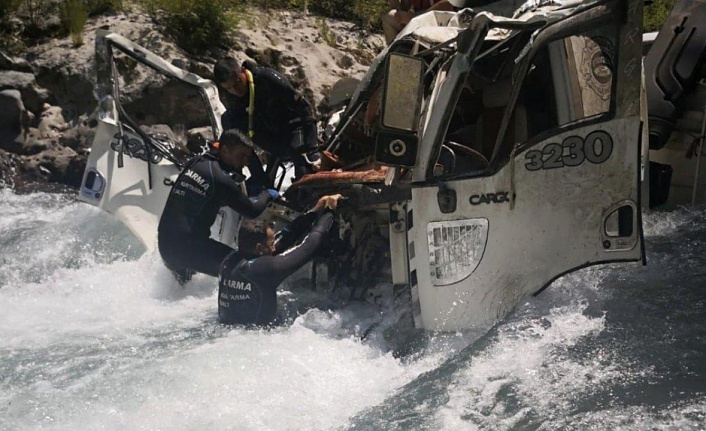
330, 147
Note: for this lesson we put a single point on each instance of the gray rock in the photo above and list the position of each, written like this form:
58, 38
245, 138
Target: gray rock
51, 122
12, 120
50, 165
13, 63
74, 171
202, 69
34, 143
345, 61
33, 96
74, 89
80, 137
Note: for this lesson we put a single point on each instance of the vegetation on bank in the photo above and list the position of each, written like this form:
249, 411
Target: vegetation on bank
196, 25
655, 14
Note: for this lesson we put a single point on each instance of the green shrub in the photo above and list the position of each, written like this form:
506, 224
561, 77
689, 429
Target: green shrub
74, 14
9, 30
199, 25
34, 9
656, 13
368, 13
326, 33
8, 7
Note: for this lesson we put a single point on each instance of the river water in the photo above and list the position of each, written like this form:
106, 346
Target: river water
96, 335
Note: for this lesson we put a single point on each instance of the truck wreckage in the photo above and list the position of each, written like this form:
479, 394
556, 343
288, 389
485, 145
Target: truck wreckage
484, 155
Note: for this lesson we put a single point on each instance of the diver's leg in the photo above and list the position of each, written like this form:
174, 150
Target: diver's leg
169, 250
207, 256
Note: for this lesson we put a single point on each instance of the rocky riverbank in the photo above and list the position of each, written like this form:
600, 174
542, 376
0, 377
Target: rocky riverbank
47, 95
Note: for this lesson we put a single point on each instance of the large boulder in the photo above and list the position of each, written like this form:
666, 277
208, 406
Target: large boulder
33, 96
80, 137
13, 118
53, 152
73, 89
51, 165
34, 143
51, 122
8, 62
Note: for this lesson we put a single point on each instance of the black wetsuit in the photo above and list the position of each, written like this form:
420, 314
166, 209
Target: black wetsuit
247, 288
283, 123
203, 187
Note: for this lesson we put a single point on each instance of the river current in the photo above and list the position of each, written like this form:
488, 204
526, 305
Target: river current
96, 335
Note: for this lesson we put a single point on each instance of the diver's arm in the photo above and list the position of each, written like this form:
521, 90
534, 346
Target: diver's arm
231, 194
274, 269
291, 233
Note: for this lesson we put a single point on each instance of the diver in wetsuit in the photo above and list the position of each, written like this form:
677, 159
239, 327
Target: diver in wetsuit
249, 277
279, 120
208, 182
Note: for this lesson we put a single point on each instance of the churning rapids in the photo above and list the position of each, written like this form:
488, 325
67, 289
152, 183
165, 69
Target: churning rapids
96, 335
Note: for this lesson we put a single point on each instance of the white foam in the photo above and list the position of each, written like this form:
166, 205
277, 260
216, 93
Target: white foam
526, 372
120, 345
661, 223
108, 341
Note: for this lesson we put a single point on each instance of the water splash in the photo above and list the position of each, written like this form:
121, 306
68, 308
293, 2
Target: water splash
104, 338
95, 334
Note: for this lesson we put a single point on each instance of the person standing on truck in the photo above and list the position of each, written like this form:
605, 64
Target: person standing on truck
207, 183
250, 276
402, 11
275, 116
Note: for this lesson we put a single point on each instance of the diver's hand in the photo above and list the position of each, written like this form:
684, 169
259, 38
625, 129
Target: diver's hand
274, 194
316, 166
327, 202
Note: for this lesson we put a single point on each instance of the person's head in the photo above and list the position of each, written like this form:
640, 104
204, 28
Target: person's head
234, 148
228, 74
256, 238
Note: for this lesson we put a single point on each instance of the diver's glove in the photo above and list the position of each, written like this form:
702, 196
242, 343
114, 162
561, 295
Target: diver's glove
274, 194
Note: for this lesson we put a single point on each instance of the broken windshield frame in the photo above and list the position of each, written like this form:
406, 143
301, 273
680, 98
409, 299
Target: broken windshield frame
488, 69
603, 14
574, 24
139, 56
470, 44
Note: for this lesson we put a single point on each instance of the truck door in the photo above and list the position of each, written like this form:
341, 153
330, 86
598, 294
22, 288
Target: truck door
543, 180
137, 150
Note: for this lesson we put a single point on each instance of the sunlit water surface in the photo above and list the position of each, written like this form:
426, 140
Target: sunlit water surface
96, 335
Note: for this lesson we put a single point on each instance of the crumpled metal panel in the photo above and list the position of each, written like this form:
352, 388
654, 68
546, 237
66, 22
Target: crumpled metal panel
455, 249
375, 174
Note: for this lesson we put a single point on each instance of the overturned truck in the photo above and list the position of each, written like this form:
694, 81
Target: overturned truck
484, 155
